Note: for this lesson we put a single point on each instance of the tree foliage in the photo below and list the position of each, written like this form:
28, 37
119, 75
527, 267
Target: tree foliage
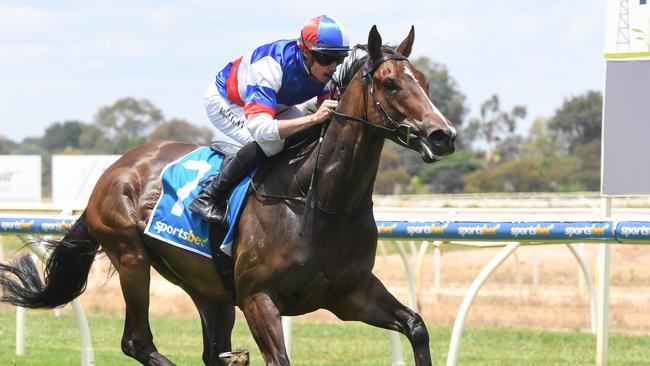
182, 130
524, 175
61, 136
6, 145
493, 126
448, 175
579, 121
126, 123
392, 177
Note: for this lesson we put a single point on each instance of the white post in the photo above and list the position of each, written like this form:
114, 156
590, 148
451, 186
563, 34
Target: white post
603, 292
20, 331
419, 269
396, 347
581, 279
437, 270
586, 275
535, 271
286, 333
409, 276
518, 277
87, 355
454, 345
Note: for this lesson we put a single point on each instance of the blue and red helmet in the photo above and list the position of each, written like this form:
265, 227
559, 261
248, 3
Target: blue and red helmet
324, 34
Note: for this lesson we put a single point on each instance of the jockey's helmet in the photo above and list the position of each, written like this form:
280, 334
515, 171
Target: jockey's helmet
325, 35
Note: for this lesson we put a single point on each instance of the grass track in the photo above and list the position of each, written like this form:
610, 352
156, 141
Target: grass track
54, 341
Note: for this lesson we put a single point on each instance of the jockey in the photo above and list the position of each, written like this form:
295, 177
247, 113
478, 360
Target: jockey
253, 101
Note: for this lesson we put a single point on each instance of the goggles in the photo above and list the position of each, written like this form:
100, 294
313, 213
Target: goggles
326, 59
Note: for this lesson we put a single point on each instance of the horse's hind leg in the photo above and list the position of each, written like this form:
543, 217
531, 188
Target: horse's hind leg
371, 303
133, 265
217, 321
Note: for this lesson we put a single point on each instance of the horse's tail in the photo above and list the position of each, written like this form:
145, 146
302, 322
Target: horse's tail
66, 271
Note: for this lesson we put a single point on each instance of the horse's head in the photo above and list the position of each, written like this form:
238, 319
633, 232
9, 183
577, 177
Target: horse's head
398, 92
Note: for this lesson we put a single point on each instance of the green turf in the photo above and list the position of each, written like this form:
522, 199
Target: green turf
54, 341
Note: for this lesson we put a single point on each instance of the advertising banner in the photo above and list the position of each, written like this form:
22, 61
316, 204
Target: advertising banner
499, 231
20, 178
74, 176
626, 111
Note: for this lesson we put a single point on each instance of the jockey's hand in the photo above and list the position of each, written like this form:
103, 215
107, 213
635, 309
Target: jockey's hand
325, 110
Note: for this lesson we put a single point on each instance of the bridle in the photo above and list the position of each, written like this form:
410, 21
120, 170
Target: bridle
400, 130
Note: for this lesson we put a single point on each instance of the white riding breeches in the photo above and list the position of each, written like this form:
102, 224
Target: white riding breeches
229, 120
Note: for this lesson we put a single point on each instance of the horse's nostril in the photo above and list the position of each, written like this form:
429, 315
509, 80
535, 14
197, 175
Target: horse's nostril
440, 137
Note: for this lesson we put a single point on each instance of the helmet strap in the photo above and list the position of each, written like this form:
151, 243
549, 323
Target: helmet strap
306, 51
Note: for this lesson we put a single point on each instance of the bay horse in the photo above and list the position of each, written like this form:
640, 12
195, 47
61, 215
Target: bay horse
291, 258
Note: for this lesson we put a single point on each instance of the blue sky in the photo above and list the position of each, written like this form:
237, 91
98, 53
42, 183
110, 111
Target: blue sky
63, 60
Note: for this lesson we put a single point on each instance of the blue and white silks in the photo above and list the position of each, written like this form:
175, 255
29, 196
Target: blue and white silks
171, 220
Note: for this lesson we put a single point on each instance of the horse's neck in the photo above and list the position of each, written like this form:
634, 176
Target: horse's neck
348, 162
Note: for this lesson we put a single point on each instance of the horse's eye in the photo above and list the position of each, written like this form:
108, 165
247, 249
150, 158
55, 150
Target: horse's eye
390, 85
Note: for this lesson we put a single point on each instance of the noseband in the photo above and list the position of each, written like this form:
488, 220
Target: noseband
396, 128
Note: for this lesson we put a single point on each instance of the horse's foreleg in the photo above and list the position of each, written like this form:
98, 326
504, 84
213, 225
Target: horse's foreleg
265, 324
371, 303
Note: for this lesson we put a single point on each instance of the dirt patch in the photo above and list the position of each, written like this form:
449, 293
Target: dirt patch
509, 298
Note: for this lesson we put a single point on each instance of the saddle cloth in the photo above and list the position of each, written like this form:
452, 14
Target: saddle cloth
171, 220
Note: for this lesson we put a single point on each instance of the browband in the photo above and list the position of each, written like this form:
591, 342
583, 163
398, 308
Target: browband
375, 64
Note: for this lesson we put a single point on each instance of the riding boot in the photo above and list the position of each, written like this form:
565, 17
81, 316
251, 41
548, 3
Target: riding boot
211, 202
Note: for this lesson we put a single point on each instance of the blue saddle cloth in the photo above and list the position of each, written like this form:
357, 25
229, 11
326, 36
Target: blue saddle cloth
173, 222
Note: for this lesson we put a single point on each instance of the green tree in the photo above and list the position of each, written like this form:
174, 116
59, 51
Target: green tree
6, 145
127, 123
93, 140
61, 136
180, 129
589, 156
392, 177
540, 143
523, 175
578, 121
493, 126
562, 173
509, 148
449, 174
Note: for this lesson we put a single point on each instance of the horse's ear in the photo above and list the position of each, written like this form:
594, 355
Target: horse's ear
374, 43
407, 44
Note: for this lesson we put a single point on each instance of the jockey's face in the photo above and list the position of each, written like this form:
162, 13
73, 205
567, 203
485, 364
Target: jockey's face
322, 73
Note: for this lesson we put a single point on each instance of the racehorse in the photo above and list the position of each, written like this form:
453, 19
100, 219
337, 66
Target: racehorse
292, 255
